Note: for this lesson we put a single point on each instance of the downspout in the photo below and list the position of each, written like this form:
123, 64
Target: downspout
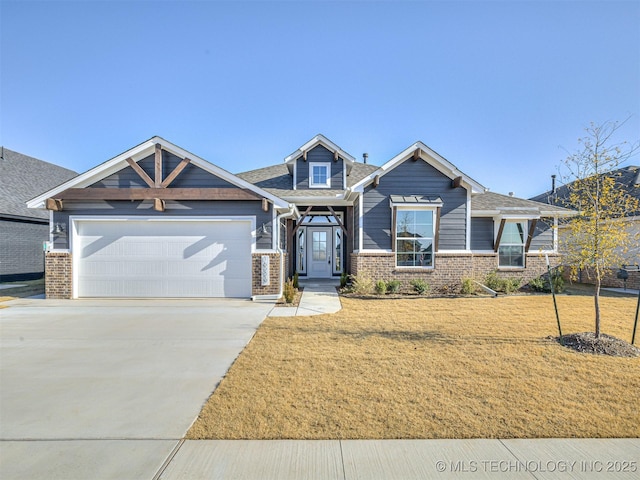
289, 213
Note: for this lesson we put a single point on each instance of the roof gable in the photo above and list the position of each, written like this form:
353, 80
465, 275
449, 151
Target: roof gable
142, 152
326, 143
420, 151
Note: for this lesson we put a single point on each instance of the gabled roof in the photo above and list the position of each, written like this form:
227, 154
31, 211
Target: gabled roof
426, 154
314, 142
627, 179
277, 180
142, 151
490, 203
21, 178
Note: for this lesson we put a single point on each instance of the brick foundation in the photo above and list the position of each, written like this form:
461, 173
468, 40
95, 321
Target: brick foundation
274, 274
58, 277
450, 269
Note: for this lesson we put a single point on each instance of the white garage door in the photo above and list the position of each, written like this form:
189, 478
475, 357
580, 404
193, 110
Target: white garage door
155, 259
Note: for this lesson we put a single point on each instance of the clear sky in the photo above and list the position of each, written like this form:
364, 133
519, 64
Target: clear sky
500, 89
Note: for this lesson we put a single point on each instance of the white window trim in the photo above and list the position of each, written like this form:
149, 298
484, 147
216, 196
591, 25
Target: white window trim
319, 185
413, 207
525, 223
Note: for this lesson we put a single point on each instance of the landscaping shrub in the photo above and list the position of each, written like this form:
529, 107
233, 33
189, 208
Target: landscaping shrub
541, 284
295, 281
381, 287
504, 285
420, 286
468, 287
393, 286
344, 278
289, 291
361, 285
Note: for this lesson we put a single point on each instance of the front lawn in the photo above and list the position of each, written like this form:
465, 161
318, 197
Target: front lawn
429, 368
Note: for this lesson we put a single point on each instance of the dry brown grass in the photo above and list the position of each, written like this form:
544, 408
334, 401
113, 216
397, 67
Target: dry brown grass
429, 368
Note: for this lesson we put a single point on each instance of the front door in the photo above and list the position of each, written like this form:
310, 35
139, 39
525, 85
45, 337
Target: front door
319, 252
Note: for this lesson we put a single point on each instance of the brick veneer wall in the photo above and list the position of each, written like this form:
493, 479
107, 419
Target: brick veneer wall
274, 274
609, 280
450, 269
21, 254
58, 279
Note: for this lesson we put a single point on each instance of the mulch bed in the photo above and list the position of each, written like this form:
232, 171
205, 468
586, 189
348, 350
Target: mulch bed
587, 342
296, 301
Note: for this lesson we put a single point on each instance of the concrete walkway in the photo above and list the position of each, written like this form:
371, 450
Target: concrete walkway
405, 459
319, 297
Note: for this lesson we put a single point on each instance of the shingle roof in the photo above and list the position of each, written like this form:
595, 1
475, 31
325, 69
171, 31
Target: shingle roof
627, 178
277, 180
490, 202
22, 178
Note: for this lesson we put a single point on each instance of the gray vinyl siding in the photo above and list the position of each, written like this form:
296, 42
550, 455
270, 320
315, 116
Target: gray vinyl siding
191, 177
319, 154
481, 233
356, 225
218, 208
414, 178
21, 252
542, 235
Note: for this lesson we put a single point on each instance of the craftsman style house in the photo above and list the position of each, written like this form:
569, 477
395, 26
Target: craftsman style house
157, 221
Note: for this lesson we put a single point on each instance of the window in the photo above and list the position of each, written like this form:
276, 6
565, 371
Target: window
319, 175
511, 249
414, 238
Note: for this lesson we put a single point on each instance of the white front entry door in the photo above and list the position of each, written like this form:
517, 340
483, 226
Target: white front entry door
319, 248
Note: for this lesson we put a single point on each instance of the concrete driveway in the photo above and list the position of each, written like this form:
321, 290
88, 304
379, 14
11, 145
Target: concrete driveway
105, 389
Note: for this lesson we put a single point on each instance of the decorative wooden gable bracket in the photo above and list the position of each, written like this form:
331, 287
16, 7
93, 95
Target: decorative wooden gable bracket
456, 182
54, 204
304, 155
344, 229
335, 156
265, 205
500, 229
158, 205
304, 215
376, 181
416, 154
158, 166
141, 173
176, 171
532, 229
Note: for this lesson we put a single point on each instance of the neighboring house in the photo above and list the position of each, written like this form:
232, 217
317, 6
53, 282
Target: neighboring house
157, 221
23, 230
628, 180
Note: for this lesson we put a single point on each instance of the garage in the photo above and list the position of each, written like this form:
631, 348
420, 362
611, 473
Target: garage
162, 258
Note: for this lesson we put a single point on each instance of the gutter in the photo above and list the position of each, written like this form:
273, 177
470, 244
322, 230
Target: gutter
289, 213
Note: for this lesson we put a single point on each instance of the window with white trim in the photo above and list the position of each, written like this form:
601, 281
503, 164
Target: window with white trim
414, 234
512, 242
319, 175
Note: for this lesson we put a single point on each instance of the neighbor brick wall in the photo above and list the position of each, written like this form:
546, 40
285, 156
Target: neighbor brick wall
609, 280
21, 253
274, 274
449, 269
58, 275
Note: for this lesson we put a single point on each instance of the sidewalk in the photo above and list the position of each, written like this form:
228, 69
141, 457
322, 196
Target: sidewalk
405, 459
319, 297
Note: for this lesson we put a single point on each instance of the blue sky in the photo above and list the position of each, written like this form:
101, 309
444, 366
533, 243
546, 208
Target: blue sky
500, 89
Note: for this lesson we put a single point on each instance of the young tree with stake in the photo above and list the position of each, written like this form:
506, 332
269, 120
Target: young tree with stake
598, 239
